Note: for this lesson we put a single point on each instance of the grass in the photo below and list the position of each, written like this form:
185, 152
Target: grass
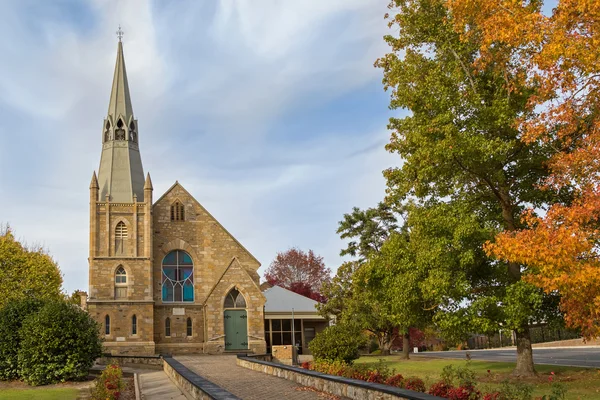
39, 394
581, 383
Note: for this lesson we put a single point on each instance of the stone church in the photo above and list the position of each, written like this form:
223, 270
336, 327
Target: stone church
164, 276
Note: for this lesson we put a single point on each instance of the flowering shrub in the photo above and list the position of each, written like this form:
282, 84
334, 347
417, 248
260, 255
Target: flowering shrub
440, 389
395, 380
464, 393
109, 385
415, 384
305, 365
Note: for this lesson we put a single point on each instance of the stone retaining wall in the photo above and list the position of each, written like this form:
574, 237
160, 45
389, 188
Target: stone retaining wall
130, 360
194, 385
339, 386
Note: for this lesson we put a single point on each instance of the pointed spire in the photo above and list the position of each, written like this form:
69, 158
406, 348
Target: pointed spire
148, 183
94, 182
120, 101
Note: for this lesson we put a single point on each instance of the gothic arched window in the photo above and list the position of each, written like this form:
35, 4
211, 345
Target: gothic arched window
168, 327
120, 132
177, 212
177, 277
120, 283
132, 134
107, 132
107, 325
120, 236
235, 299
134, 325
189, 327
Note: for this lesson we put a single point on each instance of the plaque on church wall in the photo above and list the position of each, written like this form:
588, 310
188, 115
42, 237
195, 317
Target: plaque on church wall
120, 339
179, 311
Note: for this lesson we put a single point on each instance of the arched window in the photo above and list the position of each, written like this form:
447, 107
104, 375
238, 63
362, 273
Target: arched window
177, 277
134, 325
107, 135
107, 325
120, 236
120, 283
189, 327
132, 135
235, 299
120, 132
168, 327
177, 212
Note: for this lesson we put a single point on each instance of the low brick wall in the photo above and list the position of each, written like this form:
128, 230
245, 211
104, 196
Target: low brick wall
339, 386
194, 385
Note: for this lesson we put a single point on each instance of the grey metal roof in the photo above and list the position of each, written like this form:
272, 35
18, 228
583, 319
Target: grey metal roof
283, 300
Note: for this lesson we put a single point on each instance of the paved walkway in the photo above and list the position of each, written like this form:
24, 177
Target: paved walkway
242, 382
156, 385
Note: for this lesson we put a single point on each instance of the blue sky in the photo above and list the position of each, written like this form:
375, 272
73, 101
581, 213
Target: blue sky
269, 112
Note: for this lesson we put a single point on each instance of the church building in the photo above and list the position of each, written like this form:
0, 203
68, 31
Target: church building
164, 276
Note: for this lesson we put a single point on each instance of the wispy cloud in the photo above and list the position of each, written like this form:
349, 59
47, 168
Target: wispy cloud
269, 112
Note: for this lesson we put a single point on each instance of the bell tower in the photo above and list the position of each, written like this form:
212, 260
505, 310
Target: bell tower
120, 257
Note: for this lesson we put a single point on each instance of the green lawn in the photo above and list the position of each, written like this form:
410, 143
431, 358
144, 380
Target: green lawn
39, 394
581, 383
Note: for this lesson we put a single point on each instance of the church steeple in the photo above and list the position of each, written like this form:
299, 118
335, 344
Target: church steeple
120, 175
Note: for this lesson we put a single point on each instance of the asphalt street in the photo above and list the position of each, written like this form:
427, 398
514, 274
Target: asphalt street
578, 357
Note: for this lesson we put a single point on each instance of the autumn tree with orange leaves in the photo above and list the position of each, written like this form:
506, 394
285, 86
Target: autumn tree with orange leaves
560, 54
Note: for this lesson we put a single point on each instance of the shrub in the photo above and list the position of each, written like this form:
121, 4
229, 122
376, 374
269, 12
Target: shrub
395, 380
492, 396
109, 385
337, 343
11, 319
415, 384
58, 343
464, 393
459, 376
305, 365
440, 389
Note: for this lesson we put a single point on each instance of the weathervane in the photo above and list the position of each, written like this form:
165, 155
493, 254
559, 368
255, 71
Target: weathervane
120, 33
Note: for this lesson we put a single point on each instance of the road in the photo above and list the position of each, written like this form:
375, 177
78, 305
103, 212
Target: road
573, 356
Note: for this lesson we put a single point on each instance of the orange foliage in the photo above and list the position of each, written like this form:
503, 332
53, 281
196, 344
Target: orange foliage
560, 53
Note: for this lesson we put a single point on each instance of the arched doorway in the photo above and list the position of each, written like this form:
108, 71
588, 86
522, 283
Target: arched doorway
235, 321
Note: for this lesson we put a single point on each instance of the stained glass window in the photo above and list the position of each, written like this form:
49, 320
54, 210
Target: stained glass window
177, 277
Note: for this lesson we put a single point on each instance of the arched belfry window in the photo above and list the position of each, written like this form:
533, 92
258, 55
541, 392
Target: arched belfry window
107, 135
132, 132
235, 299
120, 132
107, 325
177, 212
120, 236
120, 283
177, 277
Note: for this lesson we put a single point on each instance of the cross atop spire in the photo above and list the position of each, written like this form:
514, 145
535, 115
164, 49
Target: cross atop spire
120, 33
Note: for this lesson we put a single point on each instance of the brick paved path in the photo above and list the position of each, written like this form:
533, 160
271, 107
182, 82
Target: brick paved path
242, 382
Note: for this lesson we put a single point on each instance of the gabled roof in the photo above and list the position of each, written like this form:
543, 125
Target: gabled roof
283, 300
207, 213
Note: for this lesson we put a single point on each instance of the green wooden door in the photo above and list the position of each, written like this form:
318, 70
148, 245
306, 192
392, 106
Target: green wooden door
236, 330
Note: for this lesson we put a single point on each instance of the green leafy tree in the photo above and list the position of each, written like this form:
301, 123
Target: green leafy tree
26, 272
367, 230
461, 148
390, 286
58, 343
12, 316
338, 291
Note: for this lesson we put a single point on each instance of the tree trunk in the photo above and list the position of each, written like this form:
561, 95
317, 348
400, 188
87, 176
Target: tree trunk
384, 344
405, 345
524, 365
